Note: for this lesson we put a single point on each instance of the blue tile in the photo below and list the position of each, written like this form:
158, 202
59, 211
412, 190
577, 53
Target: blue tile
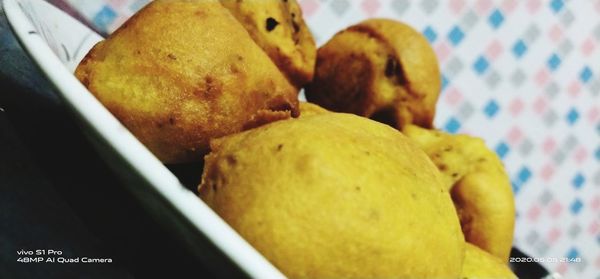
502, 149
430, 34
104, 18
578, 181
452, 125
572, 116
556, 5
481, 65
524, 174
519, 48
553, 62
572, 253
137, 5
445, 82
576, 206
496, 19
491, 109
586, 74
456, 35
516, 186
597, 153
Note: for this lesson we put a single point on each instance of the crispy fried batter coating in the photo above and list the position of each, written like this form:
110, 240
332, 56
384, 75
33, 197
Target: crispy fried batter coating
307, 109
179, 73
480, 264
279, 29
335, 195
479, 186
381, 69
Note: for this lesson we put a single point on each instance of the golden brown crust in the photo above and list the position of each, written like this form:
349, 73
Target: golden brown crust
279, 29
479, 186
307, 109
380, 69
334, 195
479, 264
179, 73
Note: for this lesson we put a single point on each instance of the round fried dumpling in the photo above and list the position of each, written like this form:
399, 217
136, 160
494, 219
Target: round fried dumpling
479, 186
307, 109
179, 73
279, 29
335, 195
381, 69
480, 264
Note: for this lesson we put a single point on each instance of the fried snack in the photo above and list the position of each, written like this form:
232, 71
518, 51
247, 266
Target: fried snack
179, 73
479, 264
279, 29
335, 196
381, 69
307, 109
478, 184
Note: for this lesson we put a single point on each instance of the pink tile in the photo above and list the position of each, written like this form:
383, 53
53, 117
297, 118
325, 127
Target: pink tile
588, 46
514, 135
370, 7
542, 76
555, 209
562, 268
574, 88
580, 155
547, 172
494, 50
597, 262
555, 34
442, 50
516, 107
453, 96
483, 6
594, 227
553, 235
595, 203
117, 3
456, 6
508, 6
540, 104
309, 7
533, 213
549, 145
593, 114
533, 6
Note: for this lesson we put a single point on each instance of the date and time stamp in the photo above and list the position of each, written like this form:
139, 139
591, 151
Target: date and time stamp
544, 260
56, 256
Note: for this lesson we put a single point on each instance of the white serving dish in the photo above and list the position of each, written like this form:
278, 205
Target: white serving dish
56, 43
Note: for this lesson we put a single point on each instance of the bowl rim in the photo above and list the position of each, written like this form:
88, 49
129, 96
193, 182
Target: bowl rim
205, 223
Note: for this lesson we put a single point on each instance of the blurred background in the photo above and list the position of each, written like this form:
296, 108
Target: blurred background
523, 75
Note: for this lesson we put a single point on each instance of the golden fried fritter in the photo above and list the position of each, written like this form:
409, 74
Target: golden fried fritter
278, 27
335, 195
381, 69
179, 73
307, 109
479, 186
479, 264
